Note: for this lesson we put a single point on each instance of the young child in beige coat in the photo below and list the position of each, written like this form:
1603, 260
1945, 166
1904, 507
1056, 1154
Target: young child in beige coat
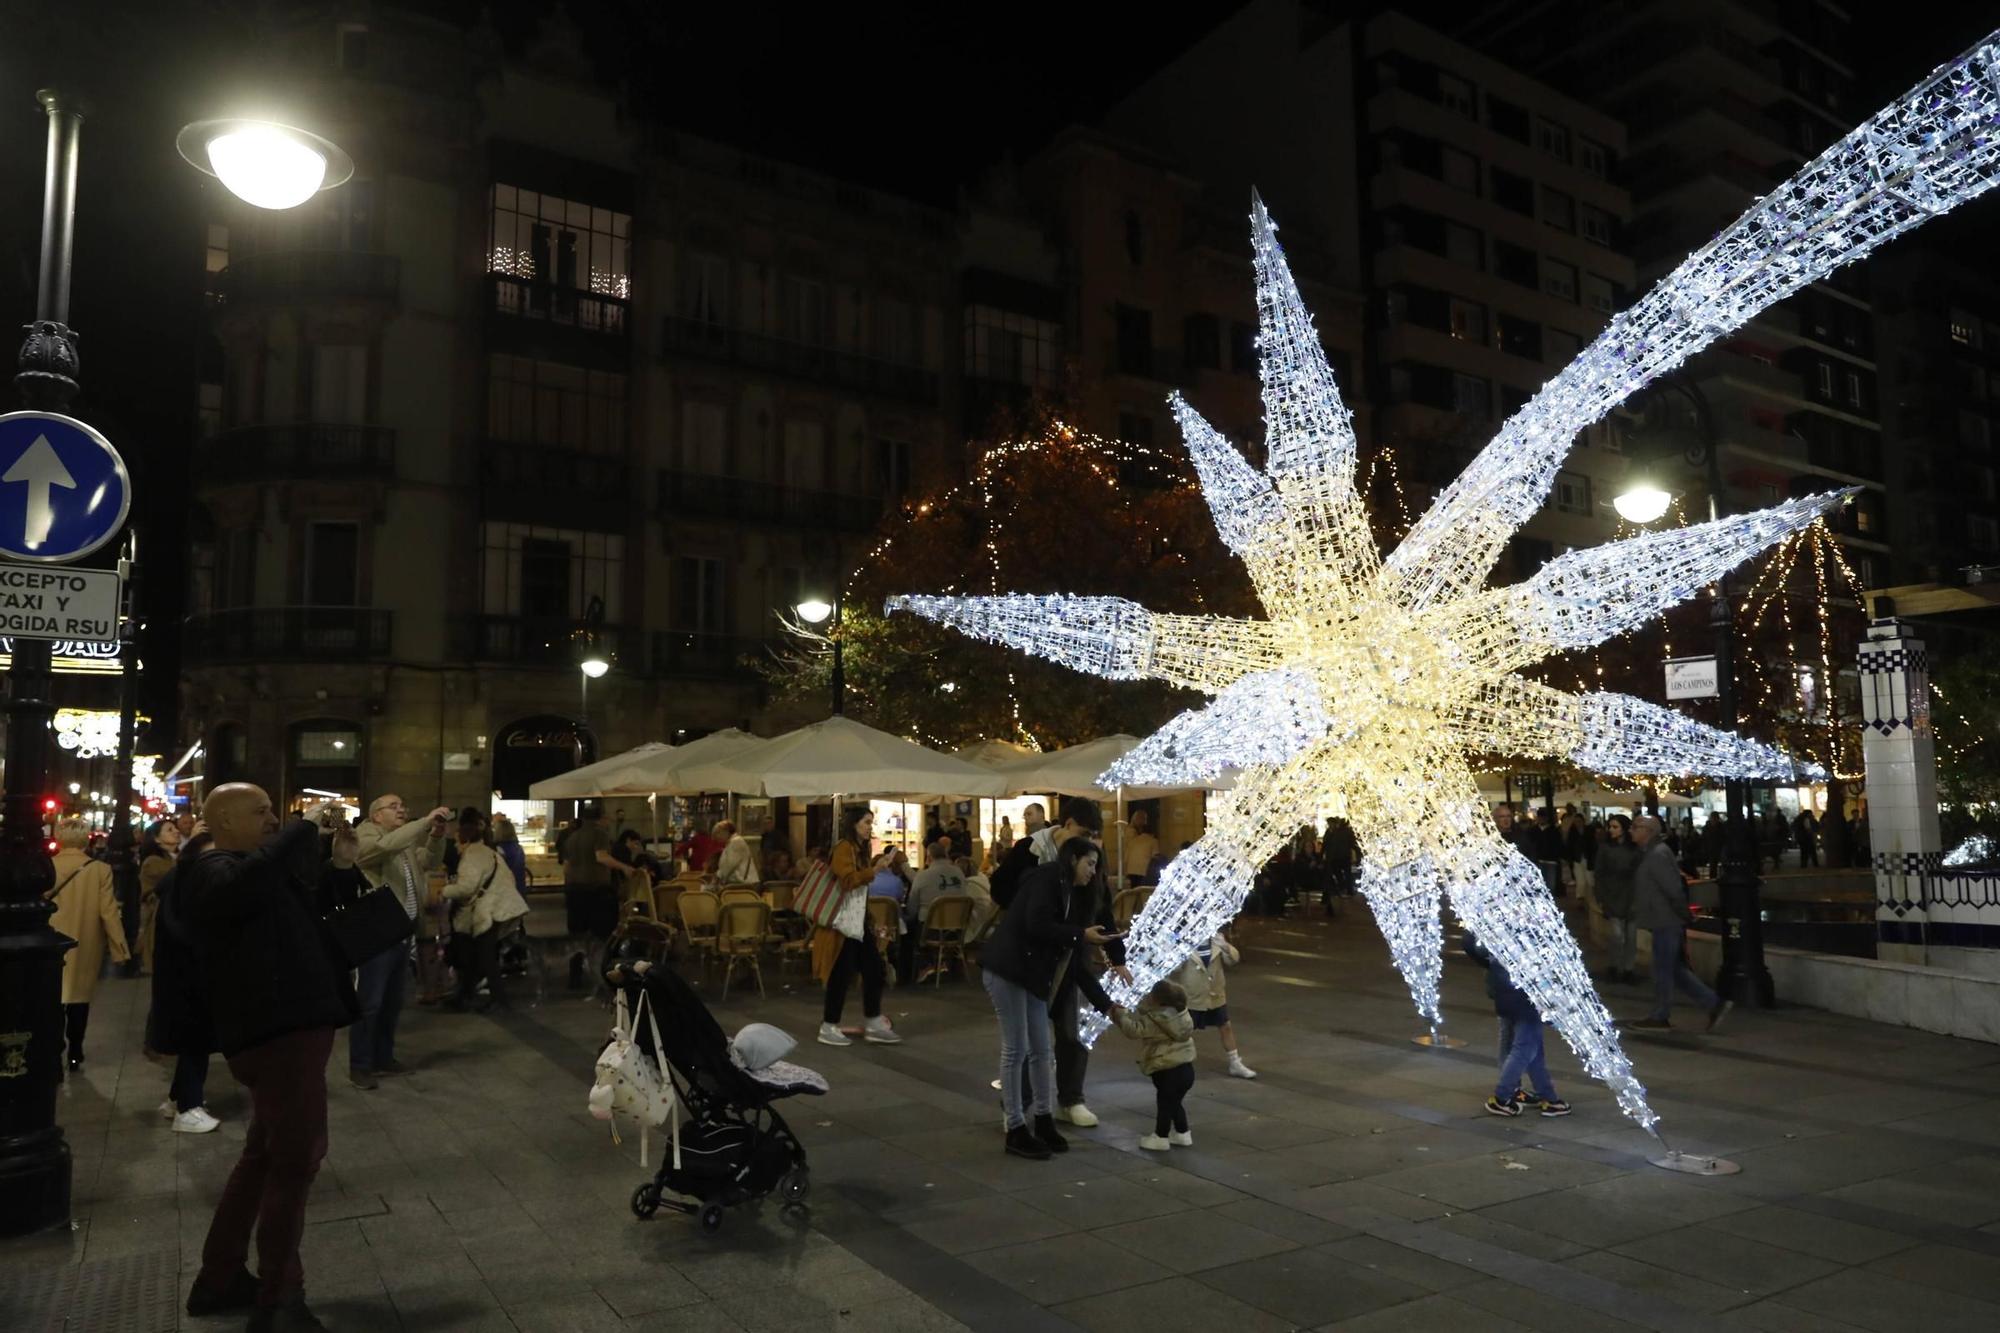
1202, 976
1165, 1034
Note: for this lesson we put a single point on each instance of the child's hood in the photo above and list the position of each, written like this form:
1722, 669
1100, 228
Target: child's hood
1173, 1024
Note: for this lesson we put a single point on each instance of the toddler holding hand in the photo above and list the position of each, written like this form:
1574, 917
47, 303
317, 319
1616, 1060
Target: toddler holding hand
1165, 1033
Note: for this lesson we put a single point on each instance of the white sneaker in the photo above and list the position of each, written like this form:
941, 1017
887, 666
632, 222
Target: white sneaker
877, 1030
196, 1121
1079, 1115
1237, 1069
1153, 1143
831, 1035
1181, 1138
168, 1110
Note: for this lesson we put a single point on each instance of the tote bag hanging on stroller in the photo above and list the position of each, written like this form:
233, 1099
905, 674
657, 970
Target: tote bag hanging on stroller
631, 1081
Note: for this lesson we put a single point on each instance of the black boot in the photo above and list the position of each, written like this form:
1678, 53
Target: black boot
1045, 1130
1022, 1143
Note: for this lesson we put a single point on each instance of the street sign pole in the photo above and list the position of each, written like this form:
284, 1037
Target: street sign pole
35, 1165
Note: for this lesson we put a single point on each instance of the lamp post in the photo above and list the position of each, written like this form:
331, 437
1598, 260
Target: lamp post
1743, 973
35, 1163
817, 612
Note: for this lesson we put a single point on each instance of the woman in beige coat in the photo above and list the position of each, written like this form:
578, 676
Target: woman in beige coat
485, 900
87, 912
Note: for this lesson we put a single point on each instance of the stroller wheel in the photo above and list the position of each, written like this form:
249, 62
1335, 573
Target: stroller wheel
711, 1218
645, 1202
797, 1184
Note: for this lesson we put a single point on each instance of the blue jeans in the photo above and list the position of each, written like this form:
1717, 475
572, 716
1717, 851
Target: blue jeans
371, 1042
1669, 971
1521, 1053
1024, 1032
190, 1081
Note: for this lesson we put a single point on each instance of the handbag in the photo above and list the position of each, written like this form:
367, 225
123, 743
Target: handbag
819, 895
370, 925
475, 895
631, 1081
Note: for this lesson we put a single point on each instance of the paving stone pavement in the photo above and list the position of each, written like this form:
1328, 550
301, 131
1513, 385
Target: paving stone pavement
1355, 1185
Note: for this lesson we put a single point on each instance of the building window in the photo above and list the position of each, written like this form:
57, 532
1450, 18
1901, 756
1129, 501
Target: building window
805, 461
559, 242
208, 410
1456, 94
705, 439
1558, 209
548, 403
705, 294
892, 467
1468, 321
1593, 224
1561, 346
1593, 157
526, 570
1471, 395
804, 310
333, 564
1135, 340
326, 744
1459, 170
700, 603
1572, 493
337, 393
1823, 377
1242, 347
344, 219
1520, 337
1011, 348
1516, 193
1598, 293
1462, 246
1559, 279
1552, 139
1515, 263
1135, 428
1965, 329
216, 257
1983, 531
1201, 342
1853, 389
1507, 118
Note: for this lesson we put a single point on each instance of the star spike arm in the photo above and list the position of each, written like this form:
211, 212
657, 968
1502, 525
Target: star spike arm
1611, 733
1406, 901
1243, 501
1111, 637
1922, 155
1262, 720
1586, 596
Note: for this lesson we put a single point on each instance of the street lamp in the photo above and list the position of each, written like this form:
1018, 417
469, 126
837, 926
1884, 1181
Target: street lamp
35, 1161
817, 611
594, 667
1743, 966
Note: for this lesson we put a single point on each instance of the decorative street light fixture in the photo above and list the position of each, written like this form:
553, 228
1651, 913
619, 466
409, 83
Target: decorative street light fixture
271, 166
816, 611
1743, 966
594, 667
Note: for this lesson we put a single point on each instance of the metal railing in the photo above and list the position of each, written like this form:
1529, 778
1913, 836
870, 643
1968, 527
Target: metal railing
286, 633
825, 365
541, 641
763, 502
308, 275
590, 312
297, 449
544, 470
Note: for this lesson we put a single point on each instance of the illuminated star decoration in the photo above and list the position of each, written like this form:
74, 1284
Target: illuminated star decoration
1374, 679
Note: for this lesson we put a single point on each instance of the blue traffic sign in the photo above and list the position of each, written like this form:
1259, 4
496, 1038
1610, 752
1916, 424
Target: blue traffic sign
64, 490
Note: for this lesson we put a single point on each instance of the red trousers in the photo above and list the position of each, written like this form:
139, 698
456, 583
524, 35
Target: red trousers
286, 1142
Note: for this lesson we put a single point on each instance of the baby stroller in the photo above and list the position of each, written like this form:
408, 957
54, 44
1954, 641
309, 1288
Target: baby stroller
733, 1146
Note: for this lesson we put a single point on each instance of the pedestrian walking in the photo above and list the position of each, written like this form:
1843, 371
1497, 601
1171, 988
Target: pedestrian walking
276, 994
485, 903
87, 912
393, 851
1037, 947
590, 894
178, 1022
854, 952
1660, 904
1165, 1033
1806, 829
1521, 1050
1616, 862
1203, 976
157, 851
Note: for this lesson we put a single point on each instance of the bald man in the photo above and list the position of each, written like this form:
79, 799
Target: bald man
276, 994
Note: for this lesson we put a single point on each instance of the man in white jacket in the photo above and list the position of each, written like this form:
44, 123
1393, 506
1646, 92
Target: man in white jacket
738, 863
397, 853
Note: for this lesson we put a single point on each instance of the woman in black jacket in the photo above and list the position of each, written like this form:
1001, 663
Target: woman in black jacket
1038, 947
178, 1023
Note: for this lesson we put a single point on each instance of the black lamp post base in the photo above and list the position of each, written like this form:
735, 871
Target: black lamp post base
34, 1184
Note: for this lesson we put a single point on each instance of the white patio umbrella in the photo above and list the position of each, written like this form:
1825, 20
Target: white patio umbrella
596, 779
993, 754
842, 757
1074, 771
664, 773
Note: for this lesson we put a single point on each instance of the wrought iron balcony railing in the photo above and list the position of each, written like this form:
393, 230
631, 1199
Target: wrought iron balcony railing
287, 633
823, 365
288, 276
298, 449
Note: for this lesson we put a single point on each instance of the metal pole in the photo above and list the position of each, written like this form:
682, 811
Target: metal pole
121, 845
35, 1164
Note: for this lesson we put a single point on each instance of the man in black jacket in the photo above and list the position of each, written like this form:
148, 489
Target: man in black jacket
276, 994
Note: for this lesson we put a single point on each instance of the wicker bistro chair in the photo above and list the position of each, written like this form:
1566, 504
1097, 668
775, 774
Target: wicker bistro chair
740, 935
637, 892
943, 929
667, 903
740, 893
700, 913
1125, 905
657, 940
780, 893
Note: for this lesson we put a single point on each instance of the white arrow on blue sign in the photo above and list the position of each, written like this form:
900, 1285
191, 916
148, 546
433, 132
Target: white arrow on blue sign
64, 490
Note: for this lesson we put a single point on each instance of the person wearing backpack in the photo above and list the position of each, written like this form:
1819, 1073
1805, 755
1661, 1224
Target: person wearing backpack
86, 911
485, 900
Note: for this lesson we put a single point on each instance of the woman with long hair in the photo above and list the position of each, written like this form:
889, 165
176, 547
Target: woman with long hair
850, 864
158, 847
1617, 860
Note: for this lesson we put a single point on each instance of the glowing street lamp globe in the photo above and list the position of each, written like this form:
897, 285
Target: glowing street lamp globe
814, 611
265, 164
1642, 503
594, 666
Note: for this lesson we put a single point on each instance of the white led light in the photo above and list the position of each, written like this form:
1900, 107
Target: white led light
266, 166
1642, 504
1371, 683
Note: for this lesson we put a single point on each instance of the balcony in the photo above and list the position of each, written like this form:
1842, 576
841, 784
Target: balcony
543, 641
702, 653
293, 277
287, 634
298, 451
544, 484
806, 361
529, 315
692, 494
